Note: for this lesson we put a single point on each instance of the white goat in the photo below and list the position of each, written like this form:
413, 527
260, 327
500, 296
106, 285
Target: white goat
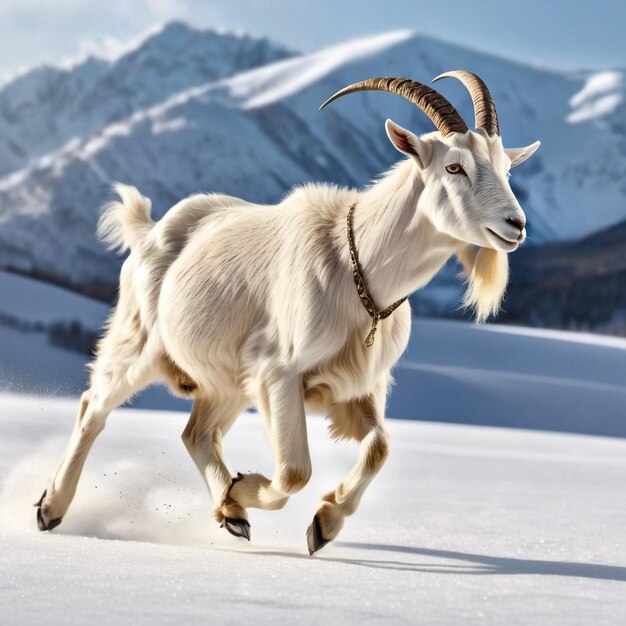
239, 305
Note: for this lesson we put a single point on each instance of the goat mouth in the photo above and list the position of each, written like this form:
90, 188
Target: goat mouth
511, 245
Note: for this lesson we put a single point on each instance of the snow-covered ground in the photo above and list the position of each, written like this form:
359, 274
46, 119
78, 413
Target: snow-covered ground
493, 526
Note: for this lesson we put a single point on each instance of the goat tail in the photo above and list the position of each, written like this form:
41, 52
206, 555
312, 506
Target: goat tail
125, 224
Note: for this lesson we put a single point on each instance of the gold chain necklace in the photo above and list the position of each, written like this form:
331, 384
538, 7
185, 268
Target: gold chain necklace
366, 300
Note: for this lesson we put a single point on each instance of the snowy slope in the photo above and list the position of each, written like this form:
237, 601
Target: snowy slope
29, 362
259, 132
452, 371
32, 301
493, 527
512, 376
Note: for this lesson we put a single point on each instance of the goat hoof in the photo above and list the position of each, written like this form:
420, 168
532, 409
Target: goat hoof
314, 538
42, 522
45, 524
237, 527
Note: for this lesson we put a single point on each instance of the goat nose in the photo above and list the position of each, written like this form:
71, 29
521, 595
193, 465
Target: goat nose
514, 221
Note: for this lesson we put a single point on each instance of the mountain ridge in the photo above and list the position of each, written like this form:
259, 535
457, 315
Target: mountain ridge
66, 103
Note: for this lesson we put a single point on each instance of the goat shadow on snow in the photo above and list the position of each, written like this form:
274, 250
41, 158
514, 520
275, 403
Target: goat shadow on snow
478, 564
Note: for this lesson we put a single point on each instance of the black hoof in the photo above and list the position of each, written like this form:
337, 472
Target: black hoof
314, 538
237, 527
42, 523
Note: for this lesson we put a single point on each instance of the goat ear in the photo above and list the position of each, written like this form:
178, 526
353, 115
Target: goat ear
408, 143
519, 155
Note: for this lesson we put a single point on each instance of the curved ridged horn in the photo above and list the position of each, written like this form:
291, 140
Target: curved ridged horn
441, 113
485, 112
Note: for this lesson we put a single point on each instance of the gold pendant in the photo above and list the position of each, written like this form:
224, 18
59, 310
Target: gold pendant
369, 340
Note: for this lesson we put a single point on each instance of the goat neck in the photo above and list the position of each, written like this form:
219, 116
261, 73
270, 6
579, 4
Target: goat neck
398, 246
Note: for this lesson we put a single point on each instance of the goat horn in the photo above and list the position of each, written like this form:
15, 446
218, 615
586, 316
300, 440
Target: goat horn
485, 112
441, 113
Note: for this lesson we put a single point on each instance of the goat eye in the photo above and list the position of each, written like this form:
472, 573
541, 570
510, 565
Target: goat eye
454, 168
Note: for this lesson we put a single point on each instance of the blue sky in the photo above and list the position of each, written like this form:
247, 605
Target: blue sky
574, 34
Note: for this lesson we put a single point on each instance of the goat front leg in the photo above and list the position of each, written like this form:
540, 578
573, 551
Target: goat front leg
282, 403
360, 419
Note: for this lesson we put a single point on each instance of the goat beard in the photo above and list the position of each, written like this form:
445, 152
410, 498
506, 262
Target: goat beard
487, 278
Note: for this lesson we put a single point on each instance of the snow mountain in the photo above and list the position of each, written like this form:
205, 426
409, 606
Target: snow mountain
190, 111
47, 107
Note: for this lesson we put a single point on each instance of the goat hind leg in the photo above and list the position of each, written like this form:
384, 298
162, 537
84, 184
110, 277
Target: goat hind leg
95, 406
